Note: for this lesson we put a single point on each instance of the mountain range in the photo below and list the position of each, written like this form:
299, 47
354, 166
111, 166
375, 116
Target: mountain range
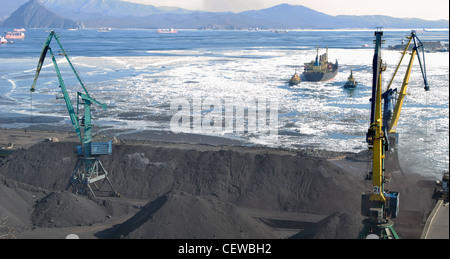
34, 15
121, 14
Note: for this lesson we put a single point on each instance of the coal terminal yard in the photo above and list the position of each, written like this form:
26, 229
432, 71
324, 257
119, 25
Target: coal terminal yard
291, 163
193, 190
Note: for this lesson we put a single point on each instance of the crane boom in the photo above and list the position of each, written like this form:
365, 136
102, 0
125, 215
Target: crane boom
42, 58
391, 117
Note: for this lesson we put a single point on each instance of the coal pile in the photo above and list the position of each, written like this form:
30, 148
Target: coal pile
178, 215
183, 191
335, 226
64, 209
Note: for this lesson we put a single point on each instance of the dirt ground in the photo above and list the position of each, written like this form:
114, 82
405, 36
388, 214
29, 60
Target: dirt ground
182, 190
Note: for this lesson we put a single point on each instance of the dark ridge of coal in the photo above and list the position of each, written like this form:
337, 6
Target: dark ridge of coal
335, 226
178, 215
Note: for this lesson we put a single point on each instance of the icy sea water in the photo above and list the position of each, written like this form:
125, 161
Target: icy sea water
138, 73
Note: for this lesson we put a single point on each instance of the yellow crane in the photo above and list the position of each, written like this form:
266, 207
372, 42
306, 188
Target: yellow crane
380, 205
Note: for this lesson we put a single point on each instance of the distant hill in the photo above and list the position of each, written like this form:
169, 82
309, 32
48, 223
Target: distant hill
120, 14
372, 21
34, 15
282, 16
89, 9
8, 7
198, 20
292, 17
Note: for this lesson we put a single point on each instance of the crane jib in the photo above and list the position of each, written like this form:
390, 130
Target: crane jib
417, 47
41, 59
73, 115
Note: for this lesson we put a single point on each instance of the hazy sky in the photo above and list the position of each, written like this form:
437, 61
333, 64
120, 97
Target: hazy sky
425, 9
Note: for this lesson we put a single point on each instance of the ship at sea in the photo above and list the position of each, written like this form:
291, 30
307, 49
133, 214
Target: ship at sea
320, 69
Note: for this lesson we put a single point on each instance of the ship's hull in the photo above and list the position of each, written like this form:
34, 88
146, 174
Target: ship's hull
320, 76
350, 86
294, 82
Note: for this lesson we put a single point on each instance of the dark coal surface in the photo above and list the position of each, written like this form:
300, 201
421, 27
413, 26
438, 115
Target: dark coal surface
17, 201
64, 209
195, 191
267, 179
335, 226
178, 215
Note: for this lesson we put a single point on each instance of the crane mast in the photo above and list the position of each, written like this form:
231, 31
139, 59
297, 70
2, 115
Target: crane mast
89, 169
379, 205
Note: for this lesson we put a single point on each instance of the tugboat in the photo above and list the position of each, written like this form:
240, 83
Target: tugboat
351, 82
295, 79
320, 70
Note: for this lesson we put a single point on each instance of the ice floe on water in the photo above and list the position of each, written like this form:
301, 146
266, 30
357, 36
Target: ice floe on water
139, 91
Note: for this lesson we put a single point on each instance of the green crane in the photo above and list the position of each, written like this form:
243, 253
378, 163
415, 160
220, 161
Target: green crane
89, 169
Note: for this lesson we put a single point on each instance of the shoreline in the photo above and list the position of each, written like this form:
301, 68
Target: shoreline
27, 137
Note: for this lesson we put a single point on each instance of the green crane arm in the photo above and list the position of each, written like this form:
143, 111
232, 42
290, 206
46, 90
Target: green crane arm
92, 100
70, 109
41, 59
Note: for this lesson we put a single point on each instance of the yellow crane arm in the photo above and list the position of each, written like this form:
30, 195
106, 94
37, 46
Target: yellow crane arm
378, 148
401, 95
400, 62
392, 125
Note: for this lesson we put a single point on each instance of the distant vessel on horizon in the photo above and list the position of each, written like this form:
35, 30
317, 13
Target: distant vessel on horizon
280, 31
104, 29
171, 30
14, 35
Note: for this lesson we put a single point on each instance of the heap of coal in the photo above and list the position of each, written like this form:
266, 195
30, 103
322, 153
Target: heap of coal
185, 191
